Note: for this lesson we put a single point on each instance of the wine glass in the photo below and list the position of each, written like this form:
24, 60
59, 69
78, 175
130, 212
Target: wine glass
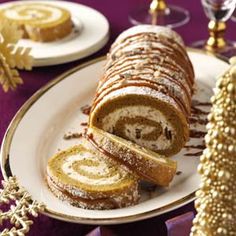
218, 11
233, 18
158, 12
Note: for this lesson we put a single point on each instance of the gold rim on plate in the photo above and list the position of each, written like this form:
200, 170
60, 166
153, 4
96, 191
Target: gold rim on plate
6, 144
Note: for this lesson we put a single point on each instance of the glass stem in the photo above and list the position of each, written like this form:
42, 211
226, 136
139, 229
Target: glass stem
157, 5
216, 40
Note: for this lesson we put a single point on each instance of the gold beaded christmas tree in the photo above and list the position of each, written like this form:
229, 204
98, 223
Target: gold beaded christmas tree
216, 199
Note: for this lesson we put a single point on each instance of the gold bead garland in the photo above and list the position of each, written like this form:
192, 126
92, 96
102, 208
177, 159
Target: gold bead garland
216, 198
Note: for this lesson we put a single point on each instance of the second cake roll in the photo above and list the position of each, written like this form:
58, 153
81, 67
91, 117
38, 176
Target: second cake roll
145, 93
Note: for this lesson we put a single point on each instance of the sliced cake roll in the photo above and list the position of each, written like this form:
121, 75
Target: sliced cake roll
148, 165
39, 21
87, 178
145, 92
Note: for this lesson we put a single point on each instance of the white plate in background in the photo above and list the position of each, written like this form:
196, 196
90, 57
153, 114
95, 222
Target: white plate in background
90, 33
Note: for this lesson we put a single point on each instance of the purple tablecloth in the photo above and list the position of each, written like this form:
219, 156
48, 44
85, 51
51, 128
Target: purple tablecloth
117, 14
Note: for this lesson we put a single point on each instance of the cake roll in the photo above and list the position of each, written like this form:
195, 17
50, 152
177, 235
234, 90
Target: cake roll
147, 165
39, 21
86, 178
145, 92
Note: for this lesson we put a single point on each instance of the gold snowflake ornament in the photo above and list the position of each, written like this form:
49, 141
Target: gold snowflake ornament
22, 206
12, 57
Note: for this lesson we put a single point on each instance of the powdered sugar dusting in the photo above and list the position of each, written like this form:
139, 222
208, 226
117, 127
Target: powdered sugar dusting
160, 30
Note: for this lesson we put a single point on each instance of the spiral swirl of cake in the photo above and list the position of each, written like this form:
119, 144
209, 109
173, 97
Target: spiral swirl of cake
39, 21
145, 92
86, 178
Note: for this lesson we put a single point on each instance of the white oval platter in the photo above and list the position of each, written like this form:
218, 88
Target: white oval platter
37, 132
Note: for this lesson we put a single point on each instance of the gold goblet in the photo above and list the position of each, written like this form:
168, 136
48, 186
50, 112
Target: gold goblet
218, 11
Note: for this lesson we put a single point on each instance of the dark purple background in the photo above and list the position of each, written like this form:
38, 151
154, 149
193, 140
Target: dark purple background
117, 14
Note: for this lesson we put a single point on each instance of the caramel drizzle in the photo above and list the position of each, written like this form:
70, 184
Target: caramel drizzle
193, 154
153, 82
158, 62
72, 136
163, 74
153, 37
177, 49
152, 85
169, 65
162, 69
158, 40
84, 123
198, 103
150, 36
200, 146
194, 120
198, 111
197, 133
86, 109
156, 86
178, 54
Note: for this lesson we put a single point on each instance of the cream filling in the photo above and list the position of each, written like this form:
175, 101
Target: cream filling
35, 13
101, 170
150, 113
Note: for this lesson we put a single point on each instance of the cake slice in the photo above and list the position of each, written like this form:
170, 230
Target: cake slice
89, 179
147, 164
39, 21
